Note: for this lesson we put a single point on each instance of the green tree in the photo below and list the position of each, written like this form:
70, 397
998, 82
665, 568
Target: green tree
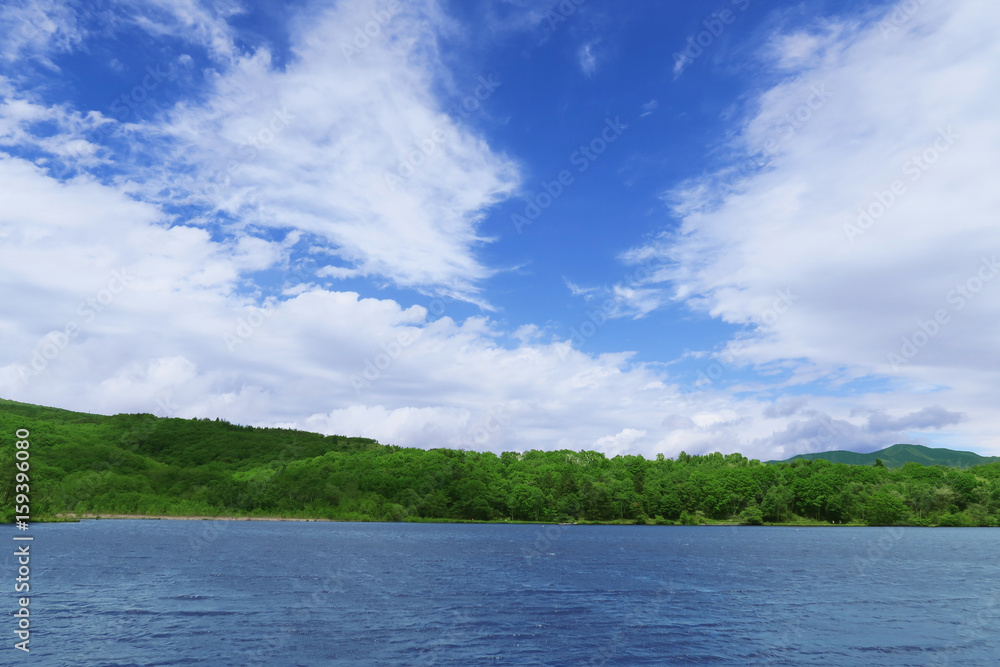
777, 504
884, 508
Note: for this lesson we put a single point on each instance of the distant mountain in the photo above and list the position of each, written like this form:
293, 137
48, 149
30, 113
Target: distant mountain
897, 455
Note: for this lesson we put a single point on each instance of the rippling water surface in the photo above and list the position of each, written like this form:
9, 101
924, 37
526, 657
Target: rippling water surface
146, 592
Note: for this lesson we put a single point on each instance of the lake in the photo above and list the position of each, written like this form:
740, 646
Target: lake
148, 592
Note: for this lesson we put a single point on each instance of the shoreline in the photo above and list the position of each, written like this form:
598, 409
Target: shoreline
167, 517
70, 517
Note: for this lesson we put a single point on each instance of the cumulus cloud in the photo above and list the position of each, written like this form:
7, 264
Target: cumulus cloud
151, 318
619, 442
817, 431
934, 417
859, 186
119, 303
785, 407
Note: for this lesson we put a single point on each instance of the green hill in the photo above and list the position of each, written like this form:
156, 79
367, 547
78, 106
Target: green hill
139, 464
897, 455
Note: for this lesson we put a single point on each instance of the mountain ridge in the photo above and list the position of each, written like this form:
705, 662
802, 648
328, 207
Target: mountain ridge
895, 456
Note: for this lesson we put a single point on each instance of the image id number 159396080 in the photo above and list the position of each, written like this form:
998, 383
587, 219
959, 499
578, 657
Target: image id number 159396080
22, 516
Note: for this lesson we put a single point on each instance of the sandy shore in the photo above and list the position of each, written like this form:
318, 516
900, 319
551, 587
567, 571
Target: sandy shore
181, 518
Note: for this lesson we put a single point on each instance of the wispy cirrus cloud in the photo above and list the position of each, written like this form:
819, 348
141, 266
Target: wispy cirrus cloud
34, 30
587, 57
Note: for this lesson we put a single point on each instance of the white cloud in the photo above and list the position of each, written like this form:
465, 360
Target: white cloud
633, 296
337, 272
587, 59
188, 20
619, 442
934, 417
505, 16
914, 107
175, 335
348, 143
167, 317
578, 290
809, 47
786, 407
178, 338
37, 30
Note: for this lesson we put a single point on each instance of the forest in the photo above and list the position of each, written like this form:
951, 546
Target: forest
142, 464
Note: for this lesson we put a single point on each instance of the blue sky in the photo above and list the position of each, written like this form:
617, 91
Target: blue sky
649, 227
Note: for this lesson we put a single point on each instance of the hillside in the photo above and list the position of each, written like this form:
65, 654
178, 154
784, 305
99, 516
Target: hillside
81, 461
139, 464
897, 455
171, 441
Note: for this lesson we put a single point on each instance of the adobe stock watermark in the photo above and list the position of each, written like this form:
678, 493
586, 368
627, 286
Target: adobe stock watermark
977, 627
611, 650
318, 596
828, 430
29, 28
609, 308
254, 143
473, 102
914, 169
784, 300
55, 342
581, 158
131, 102
424, 148
457, 635
778, 136
377, 364
139, 95
363, 35
84, 489
391, 350
797, 118
901, 14
878, 549
792, 634
958, 298
488, 424
561, 13
246, 326
547, 536
699, 42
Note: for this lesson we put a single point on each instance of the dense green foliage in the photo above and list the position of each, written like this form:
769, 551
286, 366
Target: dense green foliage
141, 464
899, 455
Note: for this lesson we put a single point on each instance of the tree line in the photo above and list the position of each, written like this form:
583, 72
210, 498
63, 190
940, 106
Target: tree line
141, 464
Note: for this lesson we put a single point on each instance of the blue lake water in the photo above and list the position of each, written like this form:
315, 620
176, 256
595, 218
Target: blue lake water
147, 592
